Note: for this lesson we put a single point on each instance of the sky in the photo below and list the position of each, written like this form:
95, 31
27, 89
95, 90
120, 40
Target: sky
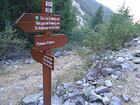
134, 6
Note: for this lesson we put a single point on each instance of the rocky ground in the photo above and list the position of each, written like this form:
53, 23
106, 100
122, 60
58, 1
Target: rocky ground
113, 79
21, 78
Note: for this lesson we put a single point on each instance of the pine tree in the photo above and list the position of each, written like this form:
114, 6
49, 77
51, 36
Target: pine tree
97, 18
68, 17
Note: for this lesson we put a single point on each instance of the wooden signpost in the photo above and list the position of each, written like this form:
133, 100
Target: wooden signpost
49, 42
38, 22
45, 22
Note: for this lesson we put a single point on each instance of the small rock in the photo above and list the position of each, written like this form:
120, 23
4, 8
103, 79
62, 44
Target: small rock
58, 54
108, 83
95, 103
94, 97
120, 59
65, 97
136, 61
29, 61
7, 63
93, 74
136, 40
87, 92
105, 100
16, 66
41, 102
102, 89
66, 53
118, 73
74, 95
31, 99
80, 100
137, 53
69, 102
89, 78
116, 101
109, 94
56, 100
137, 75
127, 66
107, 71
114, 77
40, 87
125, 97
10, 103
120, 86
19, 88
1, 89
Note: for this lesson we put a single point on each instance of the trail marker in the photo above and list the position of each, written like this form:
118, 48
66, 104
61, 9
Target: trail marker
43, 44
38, 22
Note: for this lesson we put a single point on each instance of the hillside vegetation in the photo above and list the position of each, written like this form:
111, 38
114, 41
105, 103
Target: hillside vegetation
97, 34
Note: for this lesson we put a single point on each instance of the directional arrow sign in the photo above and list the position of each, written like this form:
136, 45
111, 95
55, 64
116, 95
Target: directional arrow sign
38, 22
47, 60
43, 42
37, 55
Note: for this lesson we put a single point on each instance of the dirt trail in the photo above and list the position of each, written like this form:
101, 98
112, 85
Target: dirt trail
25, 78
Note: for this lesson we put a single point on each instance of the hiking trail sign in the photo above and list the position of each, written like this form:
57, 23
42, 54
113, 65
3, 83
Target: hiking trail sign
45, 22
43, 42
29, 22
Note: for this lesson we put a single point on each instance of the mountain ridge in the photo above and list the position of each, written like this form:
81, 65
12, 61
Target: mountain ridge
89, 8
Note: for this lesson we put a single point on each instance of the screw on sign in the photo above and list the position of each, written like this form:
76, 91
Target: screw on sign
43, 44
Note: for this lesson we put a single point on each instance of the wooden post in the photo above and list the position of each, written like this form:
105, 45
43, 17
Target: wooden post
46, 70
47, 82
42, 51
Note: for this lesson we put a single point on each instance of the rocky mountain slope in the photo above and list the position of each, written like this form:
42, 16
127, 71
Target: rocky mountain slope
87, 8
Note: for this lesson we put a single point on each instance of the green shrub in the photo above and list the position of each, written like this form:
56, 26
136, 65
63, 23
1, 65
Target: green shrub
94, 40
8, 41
